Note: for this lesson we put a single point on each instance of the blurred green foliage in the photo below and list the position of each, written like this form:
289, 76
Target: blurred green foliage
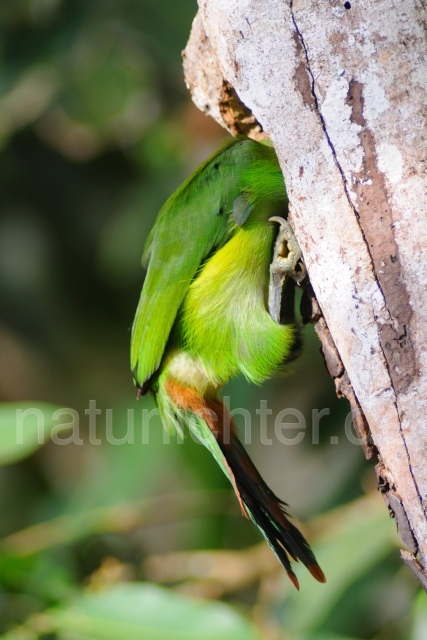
96, 130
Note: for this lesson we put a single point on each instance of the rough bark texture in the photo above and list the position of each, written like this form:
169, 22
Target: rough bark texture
210, 91
341, 88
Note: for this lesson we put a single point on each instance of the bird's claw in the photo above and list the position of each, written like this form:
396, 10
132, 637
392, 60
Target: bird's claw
287, 254
286, 262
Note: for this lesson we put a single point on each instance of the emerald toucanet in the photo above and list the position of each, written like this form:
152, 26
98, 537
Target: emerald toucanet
203, 316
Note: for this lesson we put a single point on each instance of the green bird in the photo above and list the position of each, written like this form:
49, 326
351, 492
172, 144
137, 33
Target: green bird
203, 317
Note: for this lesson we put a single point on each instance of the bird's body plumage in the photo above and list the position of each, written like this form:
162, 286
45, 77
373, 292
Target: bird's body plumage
202, 317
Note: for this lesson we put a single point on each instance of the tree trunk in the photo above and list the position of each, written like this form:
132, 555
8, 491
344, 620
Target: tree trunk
341, 88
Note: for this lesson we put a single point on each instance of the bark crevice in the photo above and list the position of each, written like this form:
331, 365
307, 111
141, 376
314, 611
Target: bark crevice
305, 66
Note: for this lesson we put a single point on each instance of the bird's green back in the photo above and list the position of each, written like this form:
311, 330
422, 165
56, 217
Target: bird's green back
195, 221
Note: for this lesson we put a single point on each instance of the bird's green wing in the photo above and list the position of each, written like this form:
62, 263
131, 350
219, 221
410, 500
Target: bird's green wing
194, 221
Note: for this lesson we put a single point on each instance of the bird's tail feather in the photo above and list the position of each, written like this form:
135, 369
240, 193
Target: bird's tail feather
259, 503
256, 499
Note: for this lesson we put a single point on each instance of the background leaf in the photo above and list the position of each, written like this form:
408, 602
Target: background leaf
135, 611
356, 539
24, 428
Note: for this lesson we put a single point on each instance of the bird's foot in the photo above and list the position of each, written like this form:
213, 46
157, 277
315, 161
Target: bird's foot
286, 263
287, 254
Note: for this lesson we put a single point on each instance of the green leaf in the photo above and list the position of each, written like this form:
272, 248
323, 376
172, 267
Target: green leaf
136, 611
25, 427
332, 636
419, 631
358, 537
133, 443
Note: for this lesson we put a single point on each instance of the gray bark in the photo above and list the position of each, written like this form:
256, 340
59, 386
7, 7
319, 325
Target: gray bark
341, 89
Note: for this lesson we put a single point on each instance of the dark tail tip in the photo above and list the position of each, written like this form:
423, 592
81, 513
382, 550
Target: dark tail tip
293, 579
316, 572
268, 512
